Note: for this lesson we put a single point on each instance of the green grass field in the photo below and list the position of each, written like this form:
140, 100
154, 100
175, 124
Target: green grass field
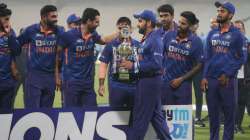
200, 133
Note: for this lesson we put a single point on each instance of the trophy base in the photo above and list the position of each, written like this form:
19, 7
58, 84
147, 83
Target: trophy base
123, 76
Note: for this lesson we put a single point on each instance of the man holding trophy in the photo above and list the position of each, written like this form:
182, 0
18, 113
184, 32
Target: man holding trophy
122, 82
147, 105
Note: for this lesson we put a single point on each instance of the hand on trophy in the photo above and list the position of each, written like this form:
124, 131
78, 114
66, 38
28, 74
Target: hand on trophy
126, 64
125, 32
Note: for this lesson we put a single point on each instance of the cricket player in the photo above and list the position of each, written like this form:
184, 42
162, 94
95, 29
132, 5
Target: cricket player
196, 85
42, 38
242, 81
224, 56
19, 68
166, 18
78, 68
9, 49
73, 21
121, 82
147, 103
182, 60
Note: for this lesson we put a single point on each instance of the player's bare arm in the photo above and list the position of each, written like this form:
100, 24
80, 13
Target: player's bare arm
177, 82
58, 67
102, 75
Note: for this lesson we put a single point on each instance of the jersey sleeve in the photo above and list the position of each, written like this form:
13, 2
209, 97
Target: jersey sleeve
107, 53
155, 62
96, 37
62, 40
198, 50
14, 43
207, 54
24, 37
236, 57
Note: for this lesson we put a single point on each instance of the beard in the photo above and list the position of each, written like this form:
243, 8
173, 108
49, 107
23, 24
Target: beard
181, 31
221, 20
92, 29
142, 30
166, 24
51, 24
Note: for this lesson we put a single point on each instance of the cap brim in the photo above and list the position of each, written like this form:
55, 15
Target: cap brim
77, 20
217, 4
137, 16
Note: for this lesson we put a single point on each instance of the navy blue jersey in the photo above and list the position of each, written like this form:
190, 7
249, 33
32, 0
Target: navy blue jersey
150, 55
42, 52
180, 56
247, 59
79, 59
164, 32
9, 48
224, 52
110, 56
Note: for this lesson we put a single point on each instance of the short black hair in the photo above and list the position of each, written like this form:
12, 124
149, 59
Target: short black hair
190, 16
240, 22
47, 9
89, 13
4, 11
124, 19
166, 8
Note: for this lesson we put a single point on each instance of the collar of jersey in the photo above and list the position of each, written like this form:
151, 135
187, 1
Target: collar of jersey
172, 28
84, 37
145, 37
188, 38
225, 29
46, 32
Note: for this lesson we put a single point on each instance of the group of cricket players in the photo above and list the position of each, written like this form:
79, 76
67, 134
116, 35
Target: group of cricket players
144, 75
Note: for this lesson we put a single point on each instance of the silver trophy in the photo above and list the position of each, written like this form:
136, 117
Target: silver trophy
124, 52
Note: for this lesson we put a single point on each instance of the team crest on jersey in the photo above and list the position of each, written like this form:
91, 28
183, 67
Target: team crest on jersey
79, 40
188, 45
39, 35
173, 41
5, 38
53, 35
228, 36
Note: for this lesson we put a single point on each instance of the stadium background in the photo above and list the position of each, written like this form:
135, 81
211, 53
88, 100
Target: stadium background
26, 12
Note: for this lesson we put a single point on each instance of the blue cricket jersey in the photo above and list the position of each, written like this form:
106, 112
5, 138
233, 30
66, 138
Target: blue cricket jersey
150, 55
42, 51
245, 49
180, 56
79, 59
109, 55
224, 52
9, 48
164, 32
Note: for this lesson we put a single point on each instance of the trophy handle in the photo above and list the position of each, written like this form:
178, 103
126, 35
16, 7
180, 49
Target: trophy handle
136, 61
114, 60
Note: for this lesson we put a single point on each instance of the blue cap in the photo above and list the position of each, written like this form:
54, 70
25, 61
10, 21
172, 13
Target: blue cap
227, 5
73, 18
147, 15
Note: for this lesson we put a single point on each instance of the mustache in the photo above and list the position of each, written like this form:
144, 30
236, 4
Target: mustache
55, 21
163, 21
